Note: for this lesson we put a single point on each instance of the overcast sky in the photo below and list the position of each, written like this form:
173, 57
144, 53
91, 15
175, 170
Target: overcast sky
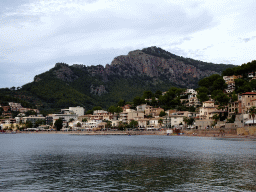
35, 34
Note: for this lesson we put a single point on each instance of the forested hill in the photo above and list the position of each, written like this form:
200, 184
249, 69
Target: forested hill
126, 77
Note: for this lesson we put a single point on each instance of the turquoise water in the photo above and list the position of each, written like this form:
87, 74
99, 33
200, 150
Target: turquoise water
58, 162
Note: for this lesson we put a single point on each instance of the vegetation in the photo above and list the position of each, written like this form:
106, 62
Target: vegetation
58, 124
252, 112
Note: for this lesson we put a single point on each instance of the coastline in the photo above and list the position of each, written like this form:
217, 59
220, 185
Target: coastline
132, 133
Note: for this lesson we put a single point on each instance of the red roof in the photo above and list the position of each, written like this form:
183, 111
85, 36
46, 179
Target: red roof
249, 93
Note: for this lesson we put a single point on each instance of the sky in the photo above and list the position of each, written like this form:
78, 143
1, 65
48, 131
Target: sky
36, 34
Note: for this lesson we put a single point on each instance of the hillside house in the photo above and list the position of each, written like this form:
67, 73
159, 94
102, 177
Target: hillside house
207, 110
154, 112
141, 107
248, 100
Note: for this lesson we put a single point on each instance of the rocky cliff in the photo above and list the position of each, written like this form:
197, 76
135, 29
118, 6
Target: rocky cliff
126, 77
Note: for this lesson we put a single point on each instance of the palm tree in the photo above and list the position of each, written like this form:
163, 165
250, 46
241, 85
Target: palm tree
252, 112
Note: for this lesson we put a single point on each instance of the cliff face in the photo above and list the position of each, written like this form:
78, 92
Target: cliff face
152, 62
172, 69
126, 77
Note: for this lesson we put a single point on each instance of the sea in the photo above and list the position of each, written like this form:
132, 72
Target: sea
63, 162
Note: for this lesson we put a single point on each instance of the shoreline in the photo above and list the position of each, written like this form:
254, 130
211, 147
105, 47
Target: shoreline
132, 133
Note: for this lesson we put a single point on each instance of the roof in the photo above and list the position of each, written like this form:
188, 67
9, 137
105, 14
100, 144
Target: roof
249, 93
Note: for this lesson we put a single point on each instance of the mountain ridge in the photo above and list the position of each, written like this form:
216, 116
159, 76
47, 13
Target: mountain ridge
126, 77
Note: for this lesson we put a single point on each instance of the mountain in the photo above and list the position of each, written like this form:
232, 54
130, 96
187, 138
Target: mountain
126, 77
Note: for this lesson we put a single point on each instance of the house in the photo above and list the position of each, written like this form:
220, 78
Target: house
177, 119
191, 91
15, 106
97, 115
141, 107
33, 119
142, 123
65, 117
248, 100
230, 81
234, 108
153, 123
207, 110
93, 125
149, 110
77, 110
126, 117
193, 101
126, 107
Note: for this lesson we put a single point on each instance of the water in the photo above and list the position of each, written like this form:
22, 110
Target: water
58, 162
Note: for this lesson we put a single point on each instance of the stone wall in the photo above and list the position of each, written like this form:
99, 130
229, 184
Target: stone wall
246, 131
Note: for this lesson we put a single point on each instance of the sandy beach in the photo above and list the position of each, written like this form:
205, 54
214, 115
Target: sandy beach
198, 133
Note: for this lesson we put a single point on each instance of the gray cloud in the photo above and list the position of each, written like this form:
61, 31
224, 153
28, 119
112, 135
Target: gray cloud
35, 34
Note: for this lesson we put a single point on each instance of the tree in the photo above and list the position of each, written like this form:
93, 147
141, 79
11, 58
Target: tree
216, 117
121, 126
113, 109
31, 112
121, 103
222, 99
109, 124
185, 119
97, 108
234, 97
58, 124
133, 123
162, 113
119, 110
160, 121
84, 120
191, 109
253, 84
1, 110
29, 124
191, 121
147, 94
78, 124
228, 72
158, 93
252, 112
202, 97
40, 122
89, 112
219, 84
137, 101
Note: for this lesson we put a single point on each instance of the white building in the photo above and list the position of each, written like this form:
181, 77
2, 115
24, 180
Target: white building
77, 110
65, 117
141, 107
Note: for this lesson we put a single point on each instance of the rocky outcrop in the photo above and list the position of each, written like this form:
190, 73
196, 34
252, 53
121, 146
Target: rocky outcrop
155, 67
152, 64
98, 90
64, 72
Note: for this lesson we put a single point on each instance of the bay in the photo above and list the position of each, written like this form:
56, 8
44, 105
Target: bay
62, 162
